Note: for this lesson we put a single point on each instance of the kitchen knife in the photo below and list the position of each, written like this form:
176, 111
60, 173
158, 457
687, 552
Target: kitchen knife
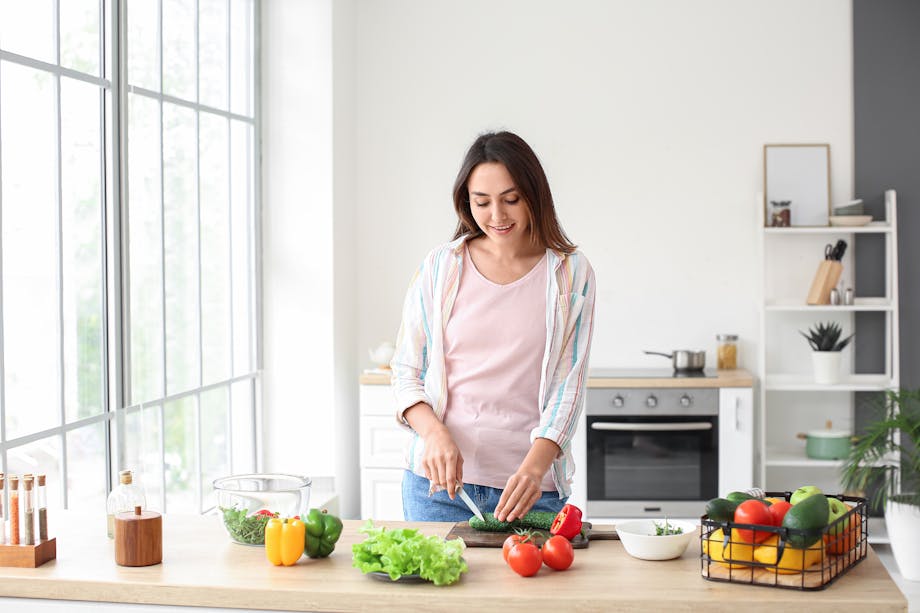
463, 496
839, 250
469, 503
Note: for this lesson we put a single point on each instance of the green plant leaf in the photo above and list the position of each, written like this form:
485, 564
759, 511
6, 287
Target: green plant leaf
825, 337
898, 432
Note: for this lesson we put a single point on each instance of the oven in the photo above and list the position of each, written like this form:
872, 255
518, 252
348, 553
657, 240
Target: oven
651, 451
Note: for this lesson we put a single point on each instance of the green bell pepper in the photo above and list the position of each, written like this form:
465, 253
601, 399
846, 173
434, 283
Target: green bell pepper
323, 530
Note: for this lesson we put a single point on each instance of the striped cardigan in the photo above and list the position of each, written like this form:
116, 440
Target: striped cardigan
419, 367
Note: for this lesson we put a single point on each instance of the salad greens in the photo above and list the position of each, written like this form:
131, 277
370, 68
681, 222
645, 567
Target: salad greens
246, 528
667, 530
406, 551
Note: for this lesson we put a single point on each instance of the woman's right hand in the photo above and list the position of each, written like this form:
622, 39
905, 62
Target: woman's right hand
442, 461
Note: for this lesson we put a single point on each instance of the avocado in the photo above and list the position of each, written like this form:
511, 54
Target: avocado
721, 509
806, 521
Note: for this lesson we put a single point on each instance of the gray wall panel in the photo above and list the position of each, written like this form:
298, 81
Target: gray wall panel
886, 84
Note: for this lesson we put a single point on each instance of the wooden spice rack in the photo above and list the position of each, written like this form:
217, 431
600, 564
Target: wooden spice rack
28, 556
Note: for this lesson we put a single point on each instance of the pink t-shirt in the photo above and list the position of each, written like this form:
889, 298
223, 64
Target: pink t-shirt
493, 344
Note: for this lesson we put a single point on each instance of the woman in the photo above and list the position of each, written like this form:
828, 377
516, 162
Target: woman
491, 357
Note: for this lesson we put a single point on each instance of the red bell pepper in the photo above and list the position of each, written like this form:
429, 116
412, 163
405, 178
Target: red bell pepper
567, 522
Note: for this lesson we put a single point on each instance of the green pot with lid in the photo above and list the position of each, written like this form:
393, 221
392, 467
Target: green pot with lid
827, 444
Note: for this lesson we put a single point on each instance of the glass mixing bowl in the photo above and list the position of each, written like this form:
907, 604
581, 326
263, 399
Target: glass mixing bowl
247, 502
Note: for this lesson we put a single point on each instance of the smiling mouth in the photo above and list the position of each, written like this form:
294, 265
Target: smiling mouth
502, 228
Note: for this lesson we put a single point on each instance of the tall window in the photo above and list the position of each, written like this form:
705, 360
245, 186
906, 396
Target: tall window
128, 210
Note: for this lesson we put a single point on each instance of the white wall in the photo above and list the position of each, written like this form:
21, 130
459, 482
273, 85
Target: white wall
649, 117
345, 270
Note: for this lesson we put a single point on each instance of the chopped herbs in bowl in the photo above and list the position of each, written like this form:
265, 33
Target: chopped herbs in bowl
666, 529
245, 528
649, 539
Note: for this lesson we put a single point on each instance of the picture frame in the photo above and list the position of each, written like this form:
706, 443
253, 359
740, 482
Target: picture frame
799, 176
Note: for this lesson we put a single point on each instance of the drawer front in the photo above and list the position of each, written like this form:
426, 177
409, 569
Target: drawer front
382, 442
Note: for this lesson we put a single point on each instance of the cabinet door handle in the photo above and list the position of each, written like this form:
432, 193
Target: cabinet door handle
737, 414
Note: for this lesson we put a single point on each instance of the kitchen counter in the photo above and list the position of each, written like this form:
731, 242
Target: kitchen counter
202, 567
604, 378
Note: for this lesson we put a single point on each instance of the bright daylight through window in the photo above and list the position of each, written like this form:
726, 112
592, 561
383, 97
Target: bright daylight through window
128, 233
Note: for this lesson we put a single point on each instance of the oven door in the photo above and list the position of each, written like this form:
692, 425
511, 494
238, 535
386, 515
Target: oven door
649, 463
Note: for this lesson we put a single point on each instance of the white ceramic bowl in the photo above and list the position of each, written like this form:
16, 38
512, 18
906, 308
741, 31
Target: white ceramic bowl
639, 540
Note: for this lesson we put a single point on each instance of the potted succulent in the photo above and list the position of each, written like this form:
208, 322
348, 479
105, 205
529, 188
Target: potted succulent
826, 344
896, 434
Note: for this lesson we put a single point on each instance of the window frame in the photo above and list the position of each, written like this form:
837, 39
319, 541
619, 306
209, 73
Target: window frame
114, 92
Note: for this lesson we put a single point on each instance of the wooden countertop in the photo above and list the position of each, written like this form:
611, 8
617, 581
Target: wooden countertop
723, 378
202, 567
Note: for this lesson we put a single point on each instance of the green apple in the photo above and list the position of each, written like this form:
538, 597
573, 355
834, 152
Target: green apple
836, 509
804, 492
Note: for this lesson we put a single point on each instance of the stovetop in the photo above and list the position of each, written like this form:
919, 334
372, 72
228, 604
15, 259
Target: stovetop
649, 373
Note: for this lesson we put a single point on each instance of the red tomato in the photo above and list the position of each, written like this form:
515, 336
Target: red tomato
525, 559
510, 542
778, 511
558, 553
753, 512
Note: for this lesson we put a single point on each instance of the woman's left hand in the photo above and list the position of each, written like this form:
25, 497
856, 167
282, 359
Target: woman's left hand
523, 487
520, 494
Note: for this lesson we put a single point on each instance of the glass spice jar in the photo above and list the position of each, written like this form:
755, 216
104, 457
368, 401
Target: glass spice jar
780, 216
727, 352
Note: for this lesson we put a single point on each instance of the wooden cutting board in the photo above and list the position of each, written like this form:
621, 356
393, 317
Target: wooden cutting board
481, 538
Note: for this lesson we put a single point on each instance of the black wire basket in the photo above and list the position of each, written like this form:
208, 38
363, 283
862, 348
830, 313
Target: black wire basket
762, 555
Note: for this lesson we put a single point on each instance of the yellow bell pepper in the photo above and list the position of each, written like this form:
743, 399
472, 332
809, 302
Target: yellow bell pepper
793, 560
736, 550
284, 541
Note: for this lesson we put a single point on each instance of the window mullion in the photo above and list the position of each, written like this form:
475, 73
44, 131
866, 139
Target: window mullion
3, 465
59, 230
117, 275
198, 454
230, 228
162, 255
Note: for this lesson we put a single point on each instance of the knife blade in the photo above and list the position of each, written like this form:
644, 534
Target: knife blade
469, 503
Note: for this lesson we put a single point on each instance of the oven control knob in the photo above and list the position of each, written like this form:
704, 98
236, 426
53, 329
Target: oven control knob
651, 402
618, 401
686, 401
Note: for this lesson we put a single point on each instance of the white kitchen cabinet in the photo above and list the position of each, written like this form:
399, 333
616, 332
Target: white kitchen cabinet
790, 400
736, 438
382, 443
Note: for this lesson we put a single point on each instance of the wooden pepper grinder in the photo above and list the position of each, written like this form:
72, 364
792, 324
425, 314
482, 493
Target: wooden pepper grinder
138, 538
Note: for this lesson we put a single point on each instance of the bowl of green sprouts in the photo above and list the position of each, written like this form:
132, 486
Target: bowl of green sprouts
656, 539
245, 503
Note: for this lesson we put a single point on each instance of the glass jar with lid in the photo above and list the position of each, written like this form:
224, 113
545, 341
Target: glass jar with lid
727, 352
780, 215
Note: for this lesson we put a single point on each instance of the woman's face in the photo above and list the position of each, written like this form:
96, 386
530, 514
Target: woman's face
497, 207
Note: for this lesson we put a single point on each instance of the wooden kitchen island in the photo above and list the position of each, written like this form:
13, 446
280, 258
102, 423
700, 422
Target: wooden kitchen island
202, 567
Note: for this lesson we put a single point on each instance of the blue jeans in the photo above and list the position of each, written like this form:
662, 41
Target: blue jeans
418, 506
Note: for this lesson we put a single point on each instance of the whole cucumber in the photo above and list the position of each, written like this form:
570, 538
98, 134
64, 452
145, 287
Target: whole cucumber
721, 509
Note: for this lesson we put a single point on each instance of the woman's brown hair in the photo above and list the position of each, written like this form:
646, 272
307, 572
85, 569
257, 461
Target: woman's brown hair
530, 180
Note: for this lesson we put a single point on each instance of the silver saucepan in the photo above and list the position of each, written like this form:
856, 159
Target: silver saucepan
684, 359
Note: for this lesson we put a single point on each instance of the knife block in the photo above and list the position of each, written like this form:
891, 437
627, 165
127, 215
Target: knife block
825, 280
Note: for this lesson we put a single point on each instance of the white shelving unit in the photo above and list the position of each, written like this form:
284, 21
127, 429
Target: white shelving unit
790, 400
